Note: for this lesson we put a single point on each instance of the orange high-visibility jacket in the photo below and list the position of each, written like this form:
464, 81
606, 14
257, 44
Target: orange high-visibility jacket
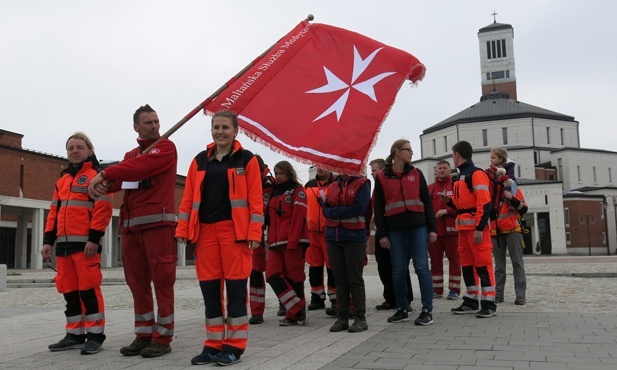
314, 217
473, 205
245, 195
508, 219
75, 218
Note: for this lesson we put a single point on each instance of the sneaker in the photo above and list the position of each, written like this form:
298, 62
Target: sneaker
282, 310
499, 300
205, 357
452, 296
425, 318
339, 325
69, 341
303, 317
256, 319
135, 348
399, 315
316, 304
384, 306
464, 309
437, 295
358, 325
332, 311
155, 349
485, 313
288, 322
519, 301
93, 345
226, 358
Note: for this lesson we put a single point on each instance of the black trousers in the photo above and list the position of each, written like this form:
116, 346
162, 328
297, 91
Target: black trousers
384, 268
347, 262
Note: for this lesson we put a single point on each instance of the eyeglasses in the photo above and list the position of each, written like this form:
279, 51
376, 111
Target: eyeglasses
407, 149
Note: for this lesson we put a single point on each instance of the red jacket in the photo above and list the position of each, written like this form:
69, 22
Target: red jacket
445, 224
153, 203
286, 207
245, 195
75, 218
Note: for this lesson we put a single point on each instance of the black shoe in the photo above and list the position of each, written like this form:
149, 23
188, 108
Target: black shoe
498, 299
358, 326
519, 301
464, 309
339, 325
205, 357
93, 344
425, 318
155, 349
384, 306
135, 348
69, 341
288, 322
256, 319
282, 310
332, 311
316, 304
399, 315
226, 358
485, 313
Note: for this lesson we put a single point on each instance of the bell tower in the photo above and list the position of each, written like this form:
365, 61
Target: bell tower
497, 58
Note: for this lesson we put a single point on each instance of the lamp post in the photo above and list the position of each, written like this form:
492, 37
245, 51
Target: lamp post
588, 219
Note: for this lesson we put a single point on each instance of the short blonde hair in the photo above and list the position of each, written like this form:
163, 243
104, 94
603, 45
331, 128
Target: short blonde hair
82, 136
501, 153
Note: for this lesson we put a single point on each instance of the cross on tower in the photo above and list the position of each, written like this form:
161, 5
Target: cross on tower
494, 14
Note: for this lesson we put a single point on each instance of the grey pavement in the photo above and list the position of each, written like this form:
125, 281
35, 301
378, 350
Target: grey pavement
570, 322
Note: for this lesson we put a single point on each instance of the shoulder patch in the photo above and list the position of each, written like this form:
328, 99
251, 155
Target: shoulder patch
154, 151
302, 194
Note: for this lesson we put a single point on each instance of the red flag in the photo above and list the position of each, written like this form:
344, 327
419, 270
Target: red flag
320, 95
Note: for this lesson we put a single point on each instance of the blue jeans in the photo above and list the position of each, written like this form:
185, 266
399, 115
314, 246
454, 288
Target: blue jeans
405, 245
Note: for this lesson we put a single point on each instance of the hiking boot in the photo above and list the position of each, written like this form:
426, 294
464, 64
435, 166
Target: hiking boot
205, 357
485, 313
452, 296
464, 309
384, 306
135, 348
155, 349
339, 325
399, 315
358, 326
282, 310
94, 344
226, 358
316, 304
425, 318
437, 295
288, 322
69, 341
256, 319
519, 301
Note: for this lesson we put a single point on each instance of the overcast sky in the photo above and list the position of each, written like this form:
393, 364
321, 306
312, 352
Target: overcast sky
87, 65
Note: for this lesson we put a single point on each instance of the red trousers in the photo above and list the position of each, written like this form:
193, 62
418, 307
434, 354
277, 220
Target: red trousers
79, 280
447, 244
150, 257
285, 274
221, 263
257, 282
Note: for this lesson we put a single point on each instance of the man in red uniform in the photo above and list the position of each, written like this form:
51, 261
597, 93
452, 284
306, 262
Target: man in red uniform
317, 252
148, 223
447, 236
472, 201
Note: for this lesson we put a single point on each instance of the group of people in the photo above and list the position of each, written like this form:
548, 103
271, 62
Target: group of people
245, 222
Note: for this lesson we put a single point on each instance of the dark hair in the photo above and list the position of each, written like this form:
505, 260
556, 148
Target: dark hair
443, 162
262, 164
227, 114
463, 148
288, 170
143, 109
380, 162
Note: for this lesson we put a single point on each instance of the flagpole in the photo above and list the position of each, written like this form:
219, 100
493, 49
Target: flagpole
195, 110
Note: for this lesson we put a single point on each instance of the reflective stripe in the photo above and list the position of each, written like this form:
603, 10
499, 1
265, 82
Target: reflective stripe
486, 289
437, 285
73, 238
353, 219
437, 278
143, 330
465, 222
480, 187
408, 202
278, 243
289, 304
215, 321
258, 299
237, 321
95, 316
260, 291
257, 218
183, 216
74, 319
195, 206
304, 241
149, 219
145, 317
455, 278
287, 295
237, 334
76, 203
165, 320
450, 229
454, 285
78, 331
239, 203
215, 335
164, 331
300, 204
106, 198
95, 329
54, 203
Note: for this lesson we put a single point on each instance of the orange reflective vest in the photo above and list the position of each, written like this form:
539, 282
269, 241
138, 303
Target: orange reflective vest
339, 195
508, 219
473, 205
401, 194
75, 218
315, 219
245, 195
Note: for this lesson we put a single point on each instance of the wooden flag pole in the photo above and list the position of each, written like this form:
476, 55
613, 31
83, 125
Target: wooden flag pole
192, 113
